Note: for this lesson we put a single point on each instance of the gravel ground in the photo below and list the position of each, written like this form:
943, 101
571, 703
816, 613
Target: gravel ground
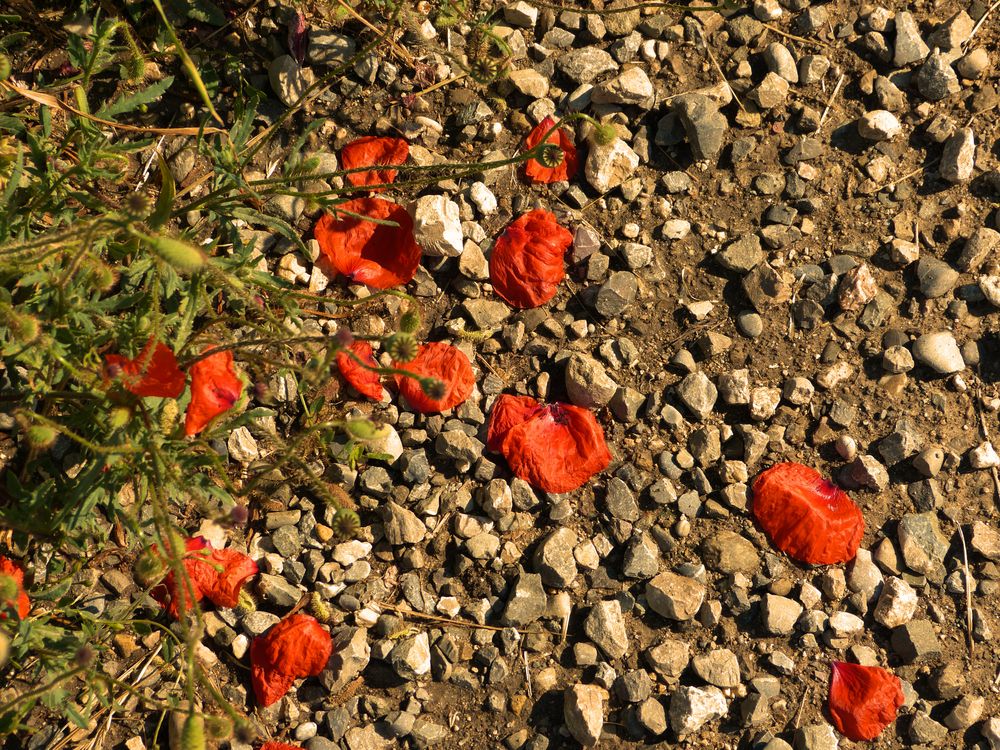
790, 254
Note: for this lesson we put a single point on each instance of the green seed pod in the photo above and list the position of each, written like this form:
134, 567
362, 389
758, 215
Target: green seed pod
346, 523
605, 134
8, 588
137, 205
401, 346
433, 388
319, 608
25, 329
183, 256
5, 67
551, 156
218, 727
246, 603
148, 568
193, 734
409, 322
41, 436
119, 417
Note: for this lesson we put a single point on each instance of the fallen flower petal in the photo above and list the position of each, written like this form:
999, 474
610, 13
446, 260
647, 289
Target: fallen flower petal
216, 574
371, 151
566, 169
806, 516
16, 598
378, 255
153, 373
298, 646
863, 701
215, 389
556, 448
442, 362
527, 263
279, 746
364, 381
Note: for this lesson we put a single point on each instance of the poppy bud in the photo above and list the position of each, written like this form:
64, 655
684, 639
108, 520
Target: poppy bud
409, 322
148, 568
119, 417
402, 347
433, 388
84, 656
103, 277
550, 156
4, 67
604, 134
319, 608
239, 514
182, 255
24, 329
168, 415
8, 588
260, 390
193, 734
113, 370
360, 429
343, 337
41, 436
218, 727
245, 604
346, 523
244, 731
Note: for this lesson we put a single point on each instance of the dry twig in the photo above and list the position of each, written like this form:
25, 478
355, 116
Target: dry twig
968, 591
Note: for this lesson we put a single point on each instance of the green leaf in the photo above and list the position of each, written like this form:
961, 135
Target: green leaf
206, 12
75, 716
130, 102
165, 200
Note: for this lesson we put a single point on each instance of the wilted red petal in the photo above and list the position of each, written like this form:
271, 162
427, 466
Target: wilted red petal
179, 600
556, 448
365, 382
863, 700
537, 172
527, 262
807, 517
373, 151
215, 388
150, 374
230, 570
20, 604
374, 254
298, 646
217, 574
279, 746
508, 412
443, 362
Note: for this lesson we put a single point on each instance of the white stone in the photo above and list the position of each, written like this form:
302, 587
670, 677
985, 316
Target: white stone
242, 446
521, 14
288, 80
292, 268
437, 227
879, 125
348, 553
608, 166
583, 712
692, 707
529, 82
483, 198
984, 456
896, 604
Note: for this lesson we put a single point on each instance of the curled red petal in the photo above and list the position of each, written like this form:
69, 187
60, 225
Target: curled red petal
863, 701
806, 516
230, 570
179, 599
365, 382
371, 151
215, 389
508, 412
535, 171
279, 746
21, 604
556, 448
153, 373
378, 255
528, 259
298, 646
443, 362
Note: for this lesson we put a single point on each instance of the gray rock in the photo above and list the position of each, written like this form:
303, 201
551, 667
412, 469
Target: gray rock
277, 591
631, 87
616, 294
719, 667
691, 708
981, 246
909, 47
585, 64
771, 92
734, 387
458, 446
527, 601
765, 286
916, 642
583, 712
922, 544
936, 80
940, 352
329, 47
642, 557
674, 596
351, 654
990, 730
704, 125
985, 540
652, 716
742, 255
779, 60
958, 158
924, 730
728, 553
427, 733
587, 382
669, 658
965, 713
780, 614
554, 559
698, 394
486, 314
868, 471
816, 737
621, 501
812, 68
288, 80
411, 657
401, 525
605, 626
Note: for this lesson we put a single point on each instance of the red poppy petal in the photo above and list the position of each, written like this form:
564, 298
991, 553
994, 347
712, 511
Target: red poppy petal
535, 171
22, 604
279, 746
378, 255
373, 151
527, 263
441, 361
807, 517
298, 646
232, 569
269, 683
508, 412
215, 389
365, 382
150, 374
177, 600
863, 701
557, 449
